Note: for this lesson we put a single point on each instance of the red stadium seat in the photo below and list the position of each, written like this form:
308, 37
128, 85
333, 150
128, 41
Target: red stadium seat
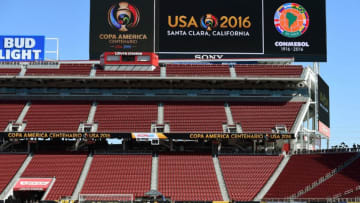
195, 116
65, 168
245, 175
9, 165
126, 116
269, 70
56, 116
196, 70
119, 174
264, 116
9, 71
346, 179
63, 70
188, 178
303, 170
9, 111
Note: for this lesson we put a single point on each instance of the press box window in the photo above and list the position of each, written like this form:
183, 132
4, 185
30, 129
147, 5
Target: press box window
113, 58
128, 58
143, 58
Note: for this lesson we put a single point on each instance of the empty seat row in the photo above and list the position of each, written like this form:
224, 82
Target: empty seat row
186, 177
346, 179
126, 116
9, 111
56, 116
65, 168
194, 70
172, 70
196, 180
245, 175
195, 117
131, 116
303, 170
9, 165
9, 71
269, 70
64, 69
119, 174
264, 116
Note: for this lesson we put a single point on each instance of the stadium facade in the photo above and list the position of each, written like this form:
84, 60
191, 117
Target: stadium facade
175, 117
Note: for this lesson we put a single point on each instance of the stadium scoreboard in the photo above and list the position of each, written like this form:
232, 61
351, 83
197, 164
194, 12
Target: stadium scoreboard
210, 29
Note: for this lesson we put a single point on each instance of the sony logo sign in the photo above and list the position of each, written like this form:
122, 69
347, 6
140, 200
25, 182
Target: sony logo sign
208, 56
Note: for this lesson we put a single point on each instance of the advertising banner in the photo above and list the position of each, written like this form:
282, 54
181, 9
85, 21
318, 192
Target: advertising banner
32, 184
121, 25
149, 136
22, 48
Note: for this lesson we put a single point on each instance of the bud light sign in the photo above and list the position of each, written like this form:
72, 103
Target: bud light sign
22, 48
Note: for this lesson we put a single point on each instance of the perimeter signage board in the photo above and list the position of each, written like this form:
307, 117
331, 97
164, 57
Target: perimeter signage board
210, 29
32, 184
186, 136
22, 48
121, 25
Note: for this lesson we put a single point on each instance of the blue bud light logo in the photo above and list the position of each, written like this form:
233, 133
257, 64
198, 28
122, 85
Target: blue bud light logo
22, 48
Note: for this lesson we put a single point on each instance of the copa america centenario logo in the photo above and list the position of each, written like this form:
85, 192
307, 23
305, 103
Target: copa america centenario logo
123, 16
209, 22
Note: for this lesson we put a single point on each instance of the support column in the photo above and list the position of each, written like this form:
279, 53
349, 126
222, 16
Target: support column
160, 114
154, 173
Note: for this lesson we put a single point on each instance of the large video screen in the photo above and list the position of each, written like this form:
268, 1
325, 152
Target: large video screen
210, 29
117, 25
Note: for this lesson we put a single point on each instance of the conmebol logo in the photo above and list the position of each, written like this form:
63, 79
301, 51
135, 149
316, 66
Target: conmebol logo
291, 20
